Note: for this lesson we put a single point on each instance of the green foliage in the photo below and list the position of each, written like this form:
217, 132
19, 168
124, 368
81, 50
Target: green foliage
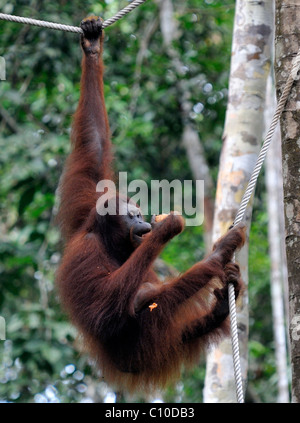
39, 361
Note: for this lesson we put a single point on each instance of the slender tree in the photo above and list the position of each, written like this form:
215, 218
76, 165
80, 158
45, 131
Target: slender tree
276, 244
287, 44
250, 65
190, 137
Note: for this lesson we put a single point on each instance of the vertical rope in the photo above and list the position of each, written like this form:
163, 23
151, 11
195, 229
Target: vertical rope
235, 345
240, 214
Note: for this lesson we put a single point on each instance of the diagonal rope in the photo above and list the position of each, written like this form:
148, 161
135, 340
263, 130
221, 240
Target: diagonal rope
69, 28
262, 155
123, 12
240, 214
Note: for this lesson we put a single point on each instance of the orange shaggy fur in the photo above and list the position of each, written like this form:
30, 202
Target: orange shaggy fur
107, 284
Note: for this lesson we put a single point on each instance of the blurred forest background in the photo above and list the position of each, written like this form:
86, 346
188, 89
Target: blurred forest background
39, 361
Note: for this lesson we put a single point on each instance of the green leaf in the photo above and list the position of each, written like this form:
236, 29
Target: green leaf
26, 199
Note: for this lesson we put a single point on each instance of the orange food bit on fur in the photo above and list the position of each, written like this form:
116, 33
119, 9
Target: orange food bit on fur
152, 306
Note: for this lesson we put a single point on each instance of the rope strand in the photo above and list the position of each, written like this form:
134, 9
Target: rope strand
69, 28
264, 149
240, 214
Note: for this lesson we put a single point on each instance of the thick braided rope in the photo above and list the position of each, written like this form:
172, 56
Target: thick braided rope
123, 12
263, 152
246, 197
68, 28
235, 345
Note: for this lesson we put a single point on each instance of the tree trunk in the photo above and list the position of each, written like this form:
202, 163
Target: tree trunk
277, 252
287, 42
200, 171
190, 137
250, 65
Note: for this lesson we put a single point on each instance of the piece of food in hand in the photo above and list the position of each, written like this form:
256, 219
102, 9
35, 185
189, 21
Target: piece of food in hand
161, 217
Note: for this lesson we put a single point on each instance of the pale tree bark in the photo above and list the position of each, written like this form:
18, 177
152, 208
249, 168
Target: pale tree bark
144, 44
276, 248
250, 65
200, 171
190, 137
287, 43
